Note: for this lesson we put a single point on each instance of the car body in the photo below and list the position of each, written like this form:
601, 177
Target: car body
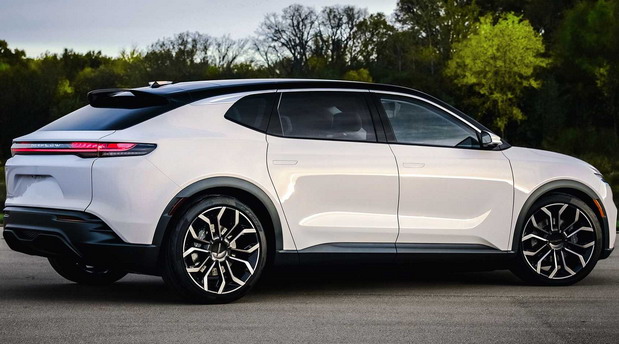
332, 170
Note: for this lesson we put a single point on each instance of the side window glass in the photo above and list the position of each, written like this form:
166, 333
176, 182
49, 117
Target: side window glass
326, 115
252, 111
417, 122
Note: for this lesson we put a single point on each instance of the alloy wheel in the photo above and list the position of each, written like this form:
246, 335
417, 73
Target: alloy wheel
221, 250
558, 240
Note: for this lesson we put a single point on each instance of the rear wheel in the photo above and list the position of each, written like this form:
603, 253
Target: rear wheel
85, 274
216, 252
560, 242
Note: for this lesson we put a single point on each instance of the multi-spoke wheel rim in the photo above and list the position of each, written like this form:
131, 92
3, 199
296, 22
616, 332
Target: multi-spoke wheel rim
558, 240
221, 250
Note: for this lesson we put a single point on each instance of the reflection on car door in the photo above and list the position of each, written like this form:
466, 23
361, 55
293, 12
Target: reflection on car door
451, 191
338, 186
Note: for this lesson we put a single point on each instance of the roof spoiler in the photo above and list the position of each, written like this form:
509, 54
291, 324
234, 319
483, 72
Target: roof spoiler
124, 98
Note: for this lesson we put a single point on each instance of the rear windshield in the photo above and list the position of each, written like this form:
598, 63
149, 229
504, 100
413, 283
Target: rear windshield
105, 118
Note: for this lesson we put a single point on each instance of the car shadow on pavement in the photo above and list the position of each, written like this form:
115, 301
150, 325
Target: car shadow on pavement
125, 291
351, 279
281, 283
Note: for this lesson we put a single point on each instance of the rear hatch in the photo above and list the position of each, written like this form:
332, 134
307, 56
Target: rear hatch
61, 181
52, 167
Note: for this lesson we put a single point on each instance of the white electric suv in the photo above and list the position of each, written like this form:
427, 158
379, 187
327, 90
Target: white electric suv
207, 183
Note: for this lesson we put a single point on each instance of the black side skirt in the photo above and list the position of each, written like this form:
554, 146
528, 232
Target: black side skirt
369, 253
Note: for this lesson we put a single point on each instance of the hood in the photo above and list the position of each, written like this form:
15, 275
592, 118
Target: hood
538, 155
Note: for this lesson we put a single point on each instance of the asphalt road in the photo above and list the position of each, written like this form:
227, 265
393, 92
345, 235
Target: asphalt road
373, 305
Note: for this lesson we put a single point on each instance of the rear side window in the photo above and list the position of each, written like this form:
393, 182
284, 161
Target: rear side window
326, 115
252, 111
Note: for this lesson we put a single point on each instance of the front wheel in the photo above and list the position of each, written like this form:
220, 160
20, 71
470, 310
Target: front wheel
85, 274
216, 251
560, 243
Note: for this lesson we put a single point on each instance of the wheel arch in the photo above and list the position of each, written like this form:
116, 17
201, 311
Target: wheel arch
570, 187
243, 190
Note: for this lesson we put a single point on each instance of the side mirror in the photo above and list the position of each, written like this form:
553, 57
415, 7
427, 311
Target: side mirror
489, 140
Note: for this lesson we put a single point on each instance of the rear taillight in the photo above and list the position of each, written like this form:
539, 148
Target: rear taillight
83, 149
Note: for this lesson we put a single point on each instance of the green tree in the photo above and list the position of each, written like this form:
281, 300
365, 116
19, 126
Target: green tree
10, 57
544, 16
499, 62
588, 51
434, 26
372, 32
182, 57
336, 35
361, 74
27, 94
285, 40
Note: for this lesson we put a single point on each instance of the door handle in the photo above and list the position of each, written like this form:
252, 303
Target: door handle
413, 164
285, 162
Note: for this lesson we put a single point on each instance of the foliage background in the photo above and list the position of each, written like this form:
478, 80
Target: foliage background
560, 94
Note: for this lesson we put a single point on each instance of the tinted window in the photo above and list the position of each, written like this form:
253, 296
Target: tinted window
104, 118
252, 111
417, 122
326, 115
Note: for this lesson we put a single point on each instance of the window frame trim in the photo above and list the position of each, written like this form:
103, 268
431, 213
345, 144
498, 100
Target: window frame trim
382, 126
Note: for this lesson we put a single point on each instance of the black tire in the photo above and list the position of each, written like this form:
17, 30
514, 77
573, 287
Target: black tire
216, 272
563, 249
84, 274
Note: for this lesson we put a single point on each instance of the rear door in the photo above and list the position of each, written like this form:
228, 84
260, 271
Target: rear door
338, 186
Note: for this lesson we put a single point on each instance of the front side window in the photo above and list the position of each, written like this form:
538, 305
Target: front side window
417, 122
326, 115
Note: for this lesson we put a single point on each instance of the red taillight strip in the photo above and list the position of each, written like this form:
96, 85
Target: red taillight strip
84, 149
115, 147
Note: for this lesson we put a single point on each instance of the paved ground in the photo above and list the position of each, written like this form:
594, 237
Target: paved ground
323, 306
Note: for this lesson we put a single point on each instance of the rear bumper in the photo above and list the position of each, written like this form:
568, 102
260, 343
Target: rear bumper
75, 235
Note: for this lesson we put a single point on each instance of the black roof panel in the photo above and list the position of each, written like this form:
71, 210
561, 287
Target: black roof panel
186, 92
252, 84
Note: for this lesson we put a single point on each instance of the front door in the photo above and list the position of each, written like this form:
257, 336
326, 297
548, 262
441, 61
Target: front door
451, 190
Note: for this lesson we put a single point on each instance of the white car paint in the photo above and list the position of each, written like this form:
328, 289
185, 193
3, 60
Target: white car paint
324, 191
533, 168
58, 181
335, 191
454, 195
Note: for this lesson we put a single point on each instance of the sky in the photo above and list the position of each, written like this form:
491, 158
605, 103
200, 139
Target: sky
37, 26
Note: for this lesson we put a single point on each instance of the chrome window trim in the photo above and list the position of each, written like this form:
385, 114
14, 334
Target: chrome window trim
405, 95
289, 90
229, 97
